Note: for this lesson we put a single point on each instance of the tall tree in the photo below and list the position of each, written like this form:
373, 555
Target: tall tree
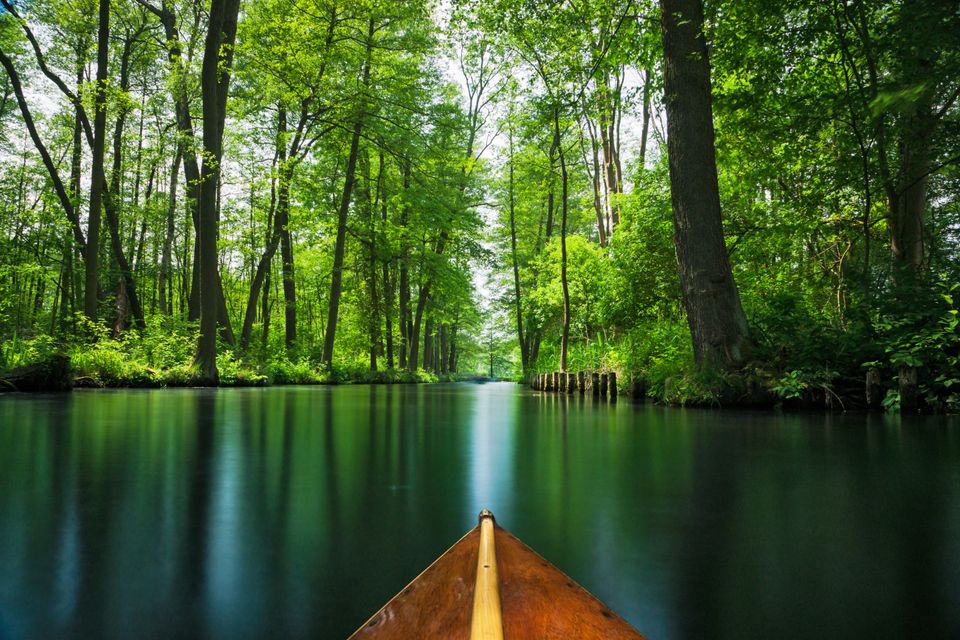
524, 356
336, 278
214, 82
97, 178
718, 325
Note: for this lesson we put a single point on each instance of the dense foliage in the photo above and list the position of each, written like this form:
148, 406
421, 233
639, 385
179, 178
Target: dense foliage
378, 154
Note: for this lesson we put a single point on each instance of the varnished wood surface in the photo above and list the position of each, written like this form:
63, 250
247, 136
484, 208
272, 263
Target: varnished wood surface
437, 604
538, 602
486, 622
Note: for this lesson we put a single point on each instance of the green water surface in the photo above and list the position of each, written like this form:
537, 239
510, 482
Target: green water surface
297, 512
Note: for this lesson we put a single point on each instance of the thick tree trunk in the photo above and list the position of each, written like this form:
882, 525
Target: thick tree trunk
909, 202
717, 323
191, 166
214, 83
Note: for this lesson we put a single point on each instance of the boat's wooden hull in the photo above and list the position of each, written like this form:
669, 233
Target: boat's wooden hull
538, 601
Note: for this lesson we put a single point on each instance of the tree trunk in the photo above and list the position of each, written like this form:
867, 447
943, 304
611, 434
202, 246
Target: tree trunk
387, 282
718, 326
444, 349
214, 83
404, 313
452, 356
265, 310
336, 280
524, 362
67, 199
97, 175
413, 358
909, 202
191, 166
370, 204
598, 208
428, 345
551, 204
113, 201
564, 179
645, 126
260, 278
289, 282
166, 307
404, 277
607, 142
282, 222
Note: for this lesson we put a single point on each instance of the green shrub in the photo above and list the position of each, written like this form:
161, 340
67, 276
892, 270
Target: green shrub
19, 352
281, 370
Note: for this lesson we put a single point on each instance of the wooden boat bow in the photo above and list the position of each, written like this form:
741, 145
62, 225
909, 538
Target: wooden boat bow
493, 585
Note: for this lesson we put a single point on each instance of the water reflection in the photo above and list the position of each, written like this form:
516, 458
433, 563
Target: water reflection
296, 512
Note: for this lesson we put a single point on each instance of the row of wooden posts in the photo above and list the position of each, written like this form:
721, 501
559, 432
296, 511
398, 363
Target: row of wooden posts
601, 385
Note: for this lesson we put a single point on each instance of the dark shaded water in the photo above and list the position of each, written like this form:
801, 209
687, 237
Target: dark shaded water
297, 512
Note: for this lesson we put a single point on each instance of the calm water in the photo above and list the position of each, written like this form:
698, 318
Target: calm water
297, 512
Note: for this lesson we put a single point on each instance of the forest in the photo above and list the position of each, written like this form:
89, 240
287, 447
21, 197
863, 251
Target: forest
725, 202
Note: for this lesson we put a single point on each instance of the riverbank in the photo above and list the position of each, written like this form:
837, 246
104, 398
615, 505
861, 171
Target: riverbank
163, 359
107, 366
756, 387
112, 369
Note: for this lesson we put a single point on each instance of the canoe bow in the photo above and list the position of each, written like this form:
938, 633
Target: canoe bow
477, 583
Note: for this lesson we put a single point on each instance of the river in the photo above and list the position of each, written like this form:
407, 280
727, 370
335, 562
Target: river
296, 512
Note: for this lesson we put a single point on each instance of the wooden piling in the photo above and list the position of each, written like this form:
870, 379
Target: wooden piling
604, 379
874, 390
613, 385
571, 382
595, 384
581, 382
908, 388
